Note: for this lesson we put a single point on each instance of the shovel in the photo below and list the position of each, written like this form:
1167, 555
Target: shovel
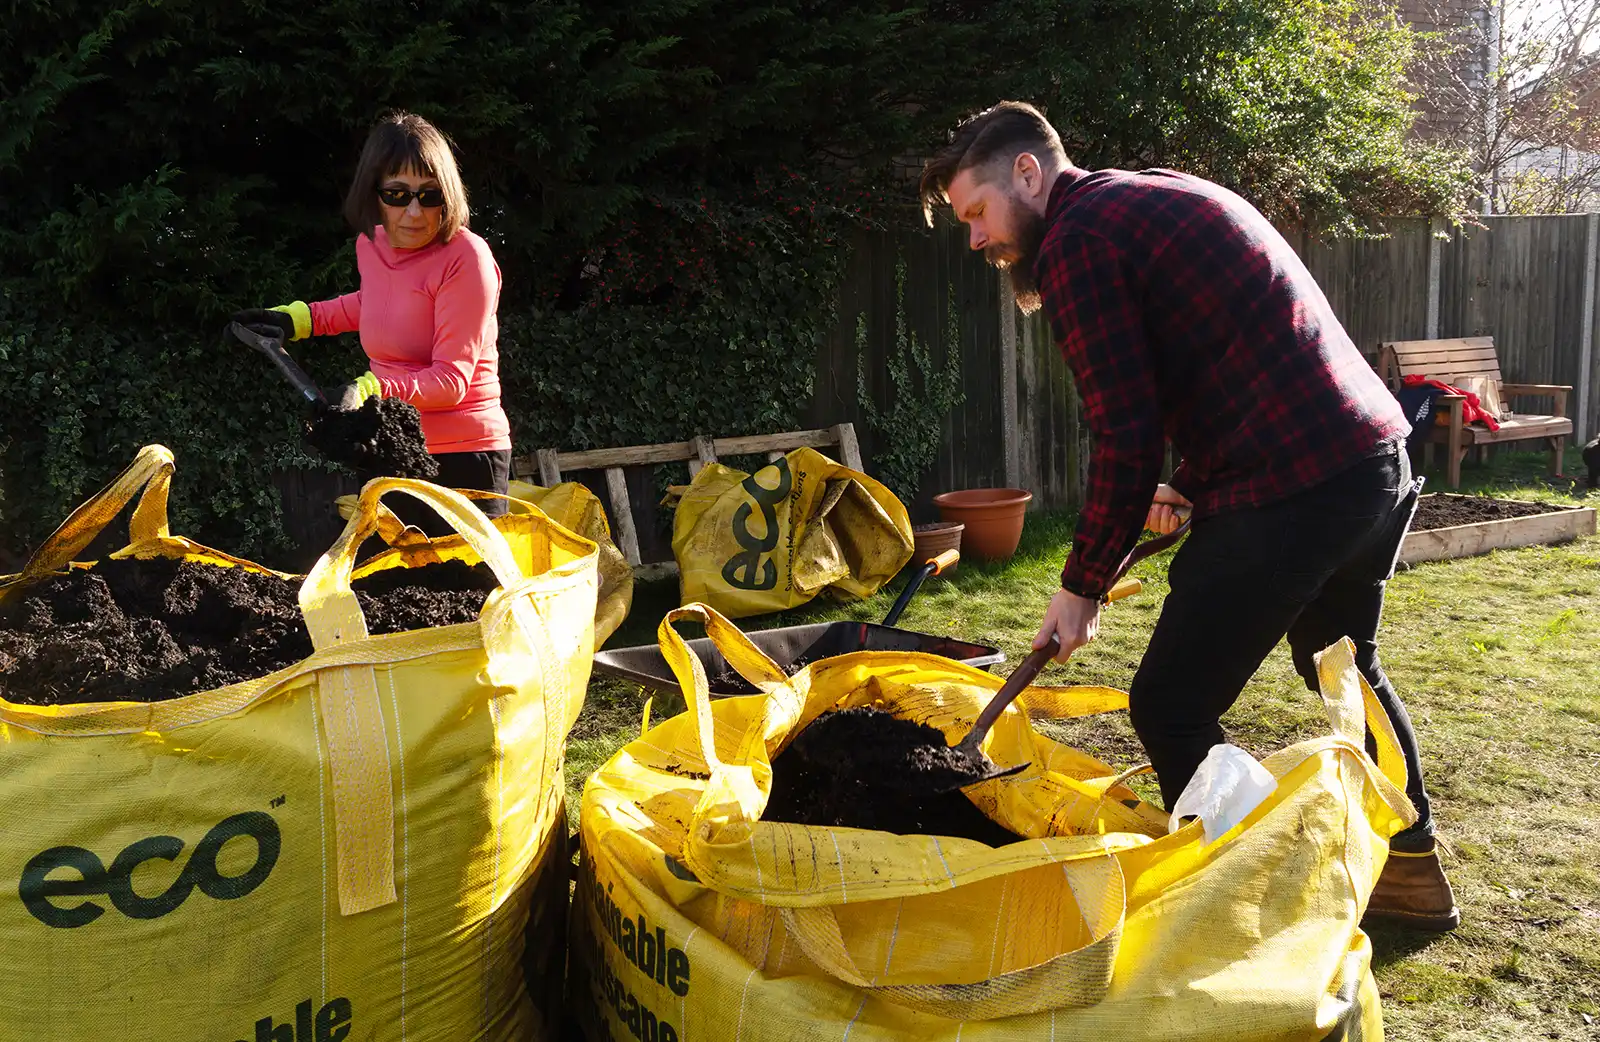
964, 763
932, 566
269, 341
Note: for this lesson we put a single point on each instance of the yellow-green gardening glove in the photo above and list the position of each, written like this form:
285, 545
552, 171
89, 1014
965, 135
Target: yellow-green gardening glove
294, 320
354, 394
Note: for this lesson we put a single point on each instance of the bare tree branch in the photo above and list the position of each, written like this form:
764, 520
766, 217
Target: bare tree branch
1508, 81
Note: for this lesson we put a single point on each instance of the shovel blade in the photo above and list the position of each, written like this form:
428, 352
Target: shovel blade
994, 772
998, 772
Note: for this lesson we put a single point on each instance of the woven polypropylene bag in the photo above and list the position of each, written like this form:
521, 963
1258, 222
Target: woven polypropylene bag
695, 919
570, 505
747, 544
344, 850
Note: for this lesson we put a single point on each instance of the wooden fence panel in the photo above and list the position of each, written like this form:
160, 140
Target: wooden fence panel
1377, 287
1049, 420
940, 273
1519, 280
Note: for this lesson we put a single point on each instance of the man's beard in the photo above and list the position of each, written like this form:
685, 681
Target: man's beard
1019, 269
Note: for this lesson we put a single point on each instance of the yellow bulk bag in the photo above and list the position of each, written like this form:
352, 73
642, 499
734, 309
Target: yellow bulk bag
342, 851
747, 544
570, 505
573, 507
695, 919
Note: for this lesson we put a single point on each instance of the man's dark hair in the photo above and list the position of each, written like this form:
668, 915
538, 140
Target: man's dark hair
995, 136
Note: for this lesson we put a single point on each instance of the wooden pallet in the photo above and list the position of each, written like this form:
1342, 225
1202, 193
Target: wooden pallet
547, 465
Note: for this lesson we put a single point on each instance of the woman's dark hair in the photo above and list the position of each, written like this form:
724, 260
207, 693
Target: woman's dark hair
405, 141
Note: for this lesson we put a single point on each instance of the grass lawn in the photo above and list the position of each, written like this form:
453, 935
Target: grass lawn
1498, 658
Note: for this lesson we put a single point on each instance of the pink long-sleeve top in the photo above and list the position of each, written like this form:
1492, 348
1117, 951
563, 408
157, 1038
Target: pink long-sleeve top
427, 323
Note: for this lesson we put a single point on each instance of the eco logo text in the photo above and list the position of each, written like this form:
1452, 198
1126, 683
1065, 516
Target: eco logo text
746, 570
42, 895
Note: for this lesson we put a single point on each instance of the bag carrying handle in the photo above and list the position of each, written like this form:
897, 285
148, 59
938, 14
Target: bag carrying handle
149, 476
347, 696
331, 612
739, 650
391, 529
1353, 708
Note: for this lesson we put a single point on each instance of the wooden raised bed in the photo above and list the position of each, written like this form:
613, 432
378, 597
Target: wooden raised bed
1544, 523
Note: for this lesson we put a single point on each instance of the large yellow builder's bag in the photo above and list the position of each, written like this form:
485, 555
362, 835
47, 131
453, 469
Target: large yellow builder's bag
342, 851
570, 505
695, 919
747, 544
573, 507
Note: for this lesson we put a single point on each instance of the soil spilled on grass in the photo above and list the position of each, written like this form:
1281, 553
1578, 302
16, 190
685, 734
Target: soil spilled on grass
383, 437
144, 631
1448, 511
832, 775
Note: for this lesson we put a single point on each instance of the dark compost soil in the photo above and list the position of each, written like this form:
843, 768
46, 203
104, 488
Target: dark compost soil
1449, 511
383, 437
729, 682
833, 774
144, 631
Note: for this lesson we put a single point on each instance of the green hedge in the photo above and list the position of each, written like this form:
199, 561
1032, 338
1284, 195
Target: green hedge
738, 357
665, 187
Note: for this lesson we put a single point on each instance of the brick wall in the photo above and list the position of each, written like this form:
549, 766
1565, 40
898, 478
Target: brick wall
1588, 104
1445, 105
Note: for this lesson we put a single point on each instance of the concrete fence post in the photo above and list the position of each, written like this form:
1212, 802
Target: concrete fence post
1436, 228
1586, 338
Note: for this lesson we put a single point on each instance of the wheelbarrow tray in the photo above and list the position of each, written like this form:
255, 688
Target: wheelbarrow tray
787, 645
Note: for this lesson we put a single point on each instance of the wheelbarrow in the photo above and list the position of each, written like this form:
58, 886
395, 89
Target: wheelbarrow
793, 647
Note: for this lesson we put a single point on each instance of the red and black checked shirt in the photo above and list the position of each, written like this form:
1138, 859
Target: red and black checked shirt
1184, 315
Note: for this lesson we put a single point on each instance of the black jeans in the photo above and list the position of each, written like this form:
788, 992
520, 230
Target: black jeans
1311, 567
477, 471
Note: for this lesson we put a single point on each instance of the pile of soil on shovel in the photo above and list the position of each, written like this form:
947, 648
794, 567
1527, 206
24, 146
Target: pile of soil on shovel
144, 631
1448, 511
833, 774
382, 437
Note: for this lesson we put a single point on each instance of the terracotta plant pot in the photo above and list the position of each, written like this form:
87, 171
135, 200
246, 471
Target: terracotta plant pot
934, 539
993, 517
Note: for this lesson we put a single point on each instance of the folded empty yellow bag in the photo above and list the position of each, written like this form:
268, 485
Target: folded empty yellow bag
747, 544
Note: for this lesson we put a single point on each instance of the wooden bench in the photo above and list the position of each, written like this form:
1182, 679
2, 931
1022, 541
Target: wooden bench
1449, 361
547, 465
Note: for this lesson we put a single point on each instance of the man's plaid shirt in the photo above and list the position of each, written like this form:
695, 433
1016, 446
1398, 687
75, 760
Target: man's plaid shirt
1184, 315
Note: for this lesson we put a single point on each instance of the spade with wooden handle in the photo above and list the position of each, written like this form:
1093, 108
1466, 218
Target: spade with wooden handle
969, 750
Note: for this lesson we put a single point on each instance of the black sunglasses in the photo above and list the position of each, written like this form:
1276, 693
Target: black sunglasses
428, 197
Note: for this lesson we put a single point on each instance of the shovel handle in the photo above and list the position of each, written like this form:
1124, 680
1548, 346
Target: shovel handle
1158, 544
932, 566
1031, 666
272, 347
1125, 587
1019, 679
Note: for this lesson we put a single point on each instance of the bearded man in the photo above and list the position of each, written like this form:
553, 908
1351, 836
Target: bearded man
1186, 317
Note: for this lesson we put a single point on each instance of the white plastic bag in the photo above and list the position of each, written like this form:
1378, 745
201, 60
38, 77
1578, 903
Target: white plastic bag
1228, 785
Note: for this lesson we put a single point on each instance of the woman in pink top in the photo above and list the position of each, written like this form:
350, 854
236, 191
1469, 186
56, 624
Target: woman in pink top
425, 309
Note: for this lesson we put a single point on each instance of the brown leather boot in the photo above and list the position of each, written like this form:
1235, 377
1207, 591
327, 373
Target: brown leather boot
1413, 892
